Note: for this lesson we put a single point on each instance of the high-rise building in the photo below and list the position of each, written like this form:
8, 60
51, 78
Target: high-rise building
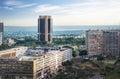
1, 33
106, 42
45, 29
94, 42
111, 43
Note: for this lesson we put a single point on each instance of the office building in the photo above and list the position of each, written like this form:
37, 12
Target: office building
45, 29
94, 42
1, 33
27, 63
111, 43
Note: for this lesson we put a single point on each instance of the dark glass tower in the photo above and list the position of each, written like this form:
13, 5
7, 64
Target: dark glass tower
45, 29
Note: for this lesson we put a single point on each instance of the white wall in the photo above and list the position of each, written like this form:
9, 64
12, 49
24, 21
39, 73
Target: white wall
1, 37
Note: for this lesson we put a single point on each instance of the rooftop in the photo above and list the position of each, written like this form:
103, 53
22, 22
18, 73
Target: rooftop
28, 54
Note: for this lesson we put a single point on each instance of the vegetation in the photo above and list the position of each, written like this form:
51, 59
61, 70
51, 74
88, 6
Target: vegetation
67, 63
83, 52
71, 72
83, 69
74, 53
4, 47
70, 40
27, 41
32, 41
112, 72
68, 47
100, 58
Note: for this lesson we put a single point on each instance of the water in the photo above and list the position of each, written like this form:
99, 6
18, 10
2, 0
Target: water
21, 31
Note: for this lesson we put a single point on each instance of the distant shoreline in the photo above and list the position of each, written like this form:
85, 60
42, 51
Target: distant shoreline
19, 31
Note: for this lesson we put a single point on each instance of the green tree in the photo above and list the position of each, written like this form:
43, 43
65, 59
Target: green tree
83, 53
74, 53
100, 58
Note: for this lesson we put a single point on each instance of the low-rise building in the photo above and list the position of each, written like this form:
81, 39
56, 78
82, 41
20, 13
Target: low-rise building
9, 42
12, 53
33, 64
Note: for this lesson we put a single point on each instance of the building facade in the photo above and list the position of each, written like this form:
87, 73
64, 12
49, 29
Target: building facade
29, 64
11, 69
106, 42
94, 42
111, 43
1, 33
45, 29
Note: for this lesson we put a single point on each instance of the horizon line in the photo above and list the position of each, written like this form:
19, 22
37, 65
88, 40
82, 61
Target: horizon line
54, 25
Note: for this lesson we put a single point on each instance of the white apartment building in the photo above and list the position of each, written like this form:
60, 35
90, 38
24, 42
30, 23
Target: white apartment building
1, 38
32, 63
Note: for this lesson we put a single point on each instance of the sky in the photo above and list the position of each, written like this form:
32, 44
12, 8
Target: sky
63, 12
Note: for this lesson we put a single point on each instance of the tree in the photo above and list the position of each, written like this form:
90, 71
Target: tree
100, 58
74, 54
4, 47
69, 40
83, 53
67, 63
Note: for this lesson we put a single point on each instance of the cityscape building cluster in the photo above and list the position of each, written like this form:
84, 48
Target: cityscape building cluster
44, 62
33, 63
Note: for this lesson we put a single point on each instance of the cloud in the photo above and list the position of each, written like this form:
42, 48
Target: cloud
6, 7
9, 8
57, 9
46, 8
89, 12
12, 4
91, 5
26, 5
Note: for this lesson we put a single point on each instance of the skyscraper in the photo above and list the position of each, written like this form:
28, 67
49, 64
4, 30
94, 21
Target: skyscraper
45, 29
106, 42
111, 43
94, 42
1, 33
